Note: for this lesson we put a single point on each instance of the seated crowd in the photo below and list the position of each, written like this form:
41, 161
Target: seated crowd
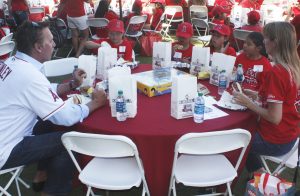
28, 96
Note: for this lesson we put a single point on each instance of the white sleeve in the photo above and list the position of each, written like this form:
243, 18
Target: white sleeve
41, 99
54, 87
70, 114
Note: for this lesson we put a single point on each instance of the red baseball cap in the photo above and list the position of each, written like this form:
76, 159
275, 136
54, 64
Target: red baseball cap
160, 1
218, 10
185, 30
116, 25
253, 17
221, 29
138, 3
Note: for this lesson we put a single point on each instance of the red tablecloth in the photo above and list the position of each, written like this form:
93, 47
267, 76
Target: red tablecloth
155, 132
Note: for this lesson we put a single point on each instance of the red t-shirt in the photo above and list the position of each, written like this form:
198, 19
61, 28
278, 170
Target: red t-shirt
156, 18
182, 3
124, 49
75, 8
185, 54
255, 4
18, 5
230, 51
279, 87
110, 15
255, 28
253, 80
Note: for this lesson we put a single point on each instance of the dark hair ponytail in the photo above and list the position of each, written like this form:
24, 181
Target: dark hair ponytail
258, 39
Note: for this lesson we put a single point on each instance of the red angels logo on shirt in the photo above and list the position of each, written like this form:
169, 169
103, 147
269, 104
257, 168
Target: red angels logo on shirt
55, 97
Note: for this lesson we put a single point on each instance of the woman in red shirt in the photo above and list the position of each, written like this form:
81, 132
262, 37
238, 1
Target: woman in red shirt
279, 118
19, 9
157, 13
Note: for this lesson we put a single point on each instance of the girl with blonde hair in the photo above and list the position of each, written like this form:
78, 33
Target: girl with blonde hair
279, 95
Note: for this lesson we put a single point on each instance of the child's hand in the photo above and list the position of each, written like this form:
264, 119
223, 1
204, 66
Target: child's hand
178, 47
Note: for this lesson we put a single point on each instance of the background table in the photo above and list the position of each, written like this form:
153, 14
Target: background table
155, 132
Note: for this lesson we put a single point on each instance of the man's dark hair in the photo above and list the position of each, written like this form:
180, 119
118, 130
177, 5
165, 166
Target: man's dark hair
28, 34
102, 9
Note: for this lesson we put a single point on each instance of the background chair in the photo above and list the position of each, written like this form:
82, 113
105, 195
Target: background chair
15, 172
171, 18
288, 160
165, 23
199, 162
135, 27
200, 25
59, 67
7, 48
7, 38
97, 23
116, 164
36, 14
198, 11
241, 35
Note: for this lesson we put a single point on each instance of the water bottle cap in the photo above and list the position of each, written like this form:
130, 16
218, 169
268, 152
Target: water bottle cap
240, 65
200, 94
223, 71
120, 92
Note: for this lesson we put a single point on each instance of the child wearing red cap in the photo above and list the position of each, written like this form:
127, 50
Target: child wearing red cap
136, 10
253, 22
182, 49
115, 40
219, 15
219, 40
157, 13
254, 61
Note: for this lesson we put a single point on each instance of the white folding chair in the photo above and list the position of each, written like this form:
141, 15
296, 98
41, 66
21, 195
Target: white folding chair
7, 48
64, 29
135, 26
200, 25
96, 23
59, 67
177, 9
7, 38
240, 34
198, 11
199, 162
36, 13
165, 23
289, 160
116, 164
15, 176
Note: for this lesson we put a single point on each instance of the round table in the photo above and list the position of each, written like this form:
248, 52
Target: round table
155, 132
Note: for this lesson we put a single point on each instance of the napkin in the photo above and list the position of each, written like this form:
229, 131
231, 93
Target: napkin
200, 60
88, 64
183, 94
107, 58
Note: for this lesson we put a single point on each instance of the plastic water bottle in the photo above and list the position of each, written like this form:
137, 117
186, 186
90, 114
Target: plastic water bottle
199, 109
121, 107
222, 82
240, 74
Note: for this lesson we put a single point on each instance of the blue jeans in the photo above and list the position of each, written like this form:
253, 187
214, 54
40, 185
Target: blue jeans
48, 149
20, 17
262, 147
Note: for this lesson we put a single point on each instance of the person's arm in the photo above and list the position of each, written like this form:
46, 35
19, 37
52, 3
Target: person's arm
91, 45
272, 114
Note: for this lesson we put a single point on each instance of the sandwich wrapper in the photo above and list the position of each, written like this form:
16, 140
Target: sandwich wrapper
119, 78
200, 60
183, 94
88, 64
221, 62
161, 60
107, 58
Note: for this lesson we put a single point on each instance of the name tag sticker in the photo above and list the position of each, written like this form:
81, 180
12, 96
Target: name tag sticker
178, 55
258, 68
122, 48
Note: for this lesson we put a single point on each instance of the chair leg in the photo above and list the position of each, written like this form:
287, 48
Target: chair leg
174, 187
265, 165
88, 191
3, 191
228, 189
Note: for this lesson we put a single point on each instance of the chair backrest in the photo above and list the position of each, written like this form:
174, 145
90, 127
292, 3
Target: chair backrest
64, 29
170, 9
7, 38
36, 10
7, 47
200, 24
59, 67
213, 143
136, 24
98, 145
36, 13
96, 23
198, 11
241, 34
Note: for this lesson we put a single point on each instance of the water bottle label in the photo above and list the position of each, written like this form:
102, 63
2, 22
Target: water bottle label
222, 83
239, 77
199, 109
120, 107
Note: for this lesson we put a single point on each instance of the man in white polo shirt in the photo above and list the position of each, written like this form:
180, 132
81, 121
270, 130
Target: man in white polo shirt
26, 94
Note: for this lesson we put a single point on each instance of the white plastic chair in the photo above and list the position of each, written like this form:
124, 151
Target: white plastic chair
200, 25
116, 164
7, 38
15, 176
240, 34
59, 67
198, 11
136, 20
165, 23
289, 160
36, 13
177, 9
7, 48
97, 23
199, 162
